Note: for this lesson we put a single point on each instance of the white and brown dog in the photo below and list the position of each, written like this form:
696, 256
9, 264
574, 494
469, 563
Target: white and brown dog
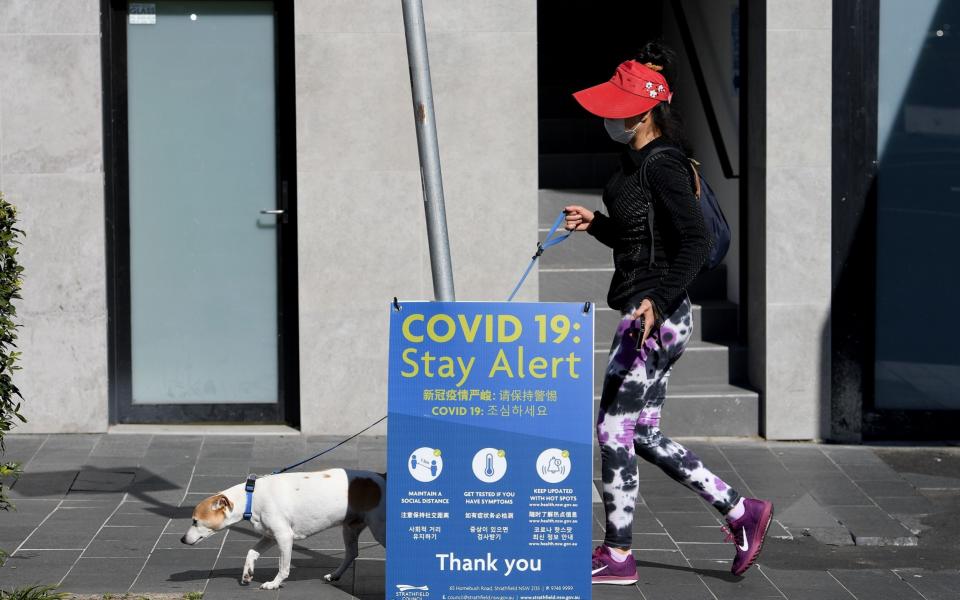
293, 506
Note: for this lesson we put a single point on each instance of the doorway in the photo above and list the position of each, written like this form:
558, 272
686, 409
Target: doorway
201, 216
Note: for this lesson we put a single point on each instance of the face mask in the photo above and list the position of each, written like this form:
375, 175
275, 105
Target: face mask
618, 132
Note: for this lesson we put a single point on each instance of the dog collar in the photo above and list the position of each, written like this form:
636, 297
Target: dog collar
251, 483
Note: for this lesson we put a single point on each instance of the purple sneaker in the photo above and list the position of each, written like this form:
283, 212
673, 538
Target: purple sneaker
748, 532
608, 570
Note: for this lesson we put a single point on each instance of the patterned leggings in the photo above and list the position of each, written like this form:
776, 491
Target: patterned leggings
628, 425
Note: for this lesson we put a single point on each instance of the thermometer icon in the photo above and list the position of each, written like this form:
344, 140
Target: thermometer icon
488, 471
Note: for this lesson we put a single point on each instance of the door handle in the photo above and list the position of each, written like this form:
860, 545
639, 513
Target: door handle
271, 212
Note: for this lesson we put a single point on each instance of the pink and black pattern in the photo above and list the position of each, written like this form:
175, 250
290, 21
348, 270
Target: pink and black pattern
628, 424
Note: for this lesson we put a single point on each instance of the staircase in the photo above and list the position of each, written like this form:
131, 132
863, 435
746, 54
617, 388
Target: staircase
704, 397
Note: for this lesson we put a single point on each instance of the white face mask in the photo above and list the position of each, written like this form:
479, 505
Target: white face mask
618, 132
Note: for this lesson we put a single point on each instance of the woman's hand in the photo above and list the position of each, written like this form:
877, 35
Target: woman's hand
578, 217
649, 316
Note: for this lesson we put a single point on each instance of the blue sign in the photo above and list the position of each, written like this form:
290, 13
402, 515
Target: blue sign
489, 451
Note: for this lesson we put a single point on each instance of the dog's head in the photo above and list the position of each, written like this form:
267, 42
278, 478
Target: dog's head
209, 517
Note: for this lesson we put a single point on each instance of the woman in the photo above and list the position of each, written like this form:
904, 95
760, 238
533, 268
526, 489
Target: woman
650, 291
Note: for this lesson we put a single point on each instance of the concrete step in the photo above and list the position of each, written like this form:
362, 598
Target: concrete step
581, 285
714, 321
709, 410
551, 202
580, 251
701, 363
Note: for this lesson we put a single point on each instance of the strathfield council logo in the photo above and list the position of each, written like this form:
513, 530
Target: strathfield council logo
412, 591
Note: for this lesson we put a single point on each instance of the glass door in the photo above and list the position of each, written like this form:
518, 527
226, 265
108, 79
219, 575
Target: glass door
204, 196
918, 206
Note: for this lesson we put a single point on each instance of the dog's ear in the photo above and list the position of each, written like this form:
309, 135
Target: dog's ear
221, 502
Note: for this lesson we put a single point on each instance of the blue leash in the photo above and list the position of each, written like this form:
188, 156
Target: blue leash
330, 449
548, 242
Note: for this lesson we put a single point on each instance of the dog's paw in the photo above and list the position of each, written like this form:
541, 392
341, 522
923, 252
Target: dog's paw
330, 577
270, 585
246, 579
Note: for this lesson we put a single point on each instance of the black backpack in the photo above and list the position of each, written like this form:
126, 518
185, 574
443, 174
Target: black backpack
713, 218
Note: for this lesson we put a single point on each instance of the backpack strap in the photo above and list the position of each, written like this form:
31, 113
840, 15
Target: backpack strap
646, 187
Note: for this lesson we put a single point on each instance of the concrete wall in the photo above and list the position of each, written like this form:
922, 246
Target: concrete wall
797, 220
51, 168
361, 219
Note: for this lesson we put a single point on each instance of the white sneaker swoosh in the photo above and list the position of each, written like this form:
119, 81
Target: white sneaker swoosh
595, 571
746, 544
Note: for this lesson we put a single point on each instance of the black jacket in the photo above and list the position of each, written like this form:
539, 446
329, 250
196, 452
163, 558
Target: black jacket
681, 241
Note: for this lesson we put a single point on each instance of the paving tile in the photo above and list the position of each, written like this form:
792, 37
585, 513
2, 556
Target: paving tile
727, 586
693, 534
136, 547
12, 535
872, 472
616, 592
652, 541
35, 567
126, 446
932, 482
39, 484
20, 448
875, 584
873, 527
98, 480
212, 484
643, 522
68, 528
831, 536
896, 487
143, 519
690, 504
905, 505
805, 512
932, 585
852, 455
370, 576
232, 452
839, 493
664, 488
706, 550
690, 588
176, 571
26, 515
699, 519
99, 575
805, 584
224, 583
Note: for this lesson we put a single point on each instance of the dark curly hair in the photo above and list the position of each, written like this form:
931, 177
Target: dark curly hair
665, 116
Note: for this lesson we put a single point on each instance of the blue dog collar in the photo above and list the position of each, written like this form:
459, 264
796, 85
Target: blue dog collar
251, 483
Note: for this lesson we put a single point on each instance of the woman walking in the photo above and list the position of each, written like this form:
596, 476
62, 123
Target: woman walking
649, 288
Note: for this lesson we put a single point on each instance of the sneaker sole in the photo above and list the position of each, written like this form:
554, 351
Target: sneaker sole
768, 516
615, 581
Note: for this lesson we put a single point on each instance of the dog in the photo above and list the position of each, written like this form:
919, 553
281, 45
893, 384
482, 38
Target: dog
293, 506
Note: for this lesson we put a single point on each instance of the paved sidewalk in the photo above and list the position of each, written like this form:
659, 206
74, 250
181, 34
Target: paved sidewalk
104, 514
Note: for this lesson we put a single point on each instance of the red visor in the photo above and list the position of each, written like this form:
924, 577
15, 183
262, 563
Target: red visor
634, 89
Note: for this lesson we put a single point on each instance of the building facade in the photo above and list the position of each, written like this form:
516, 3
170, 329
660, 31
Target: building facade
222, 198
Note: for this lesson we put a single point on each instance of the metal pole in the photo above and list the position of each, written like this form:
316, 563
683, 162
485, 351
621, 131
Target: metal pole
430, 175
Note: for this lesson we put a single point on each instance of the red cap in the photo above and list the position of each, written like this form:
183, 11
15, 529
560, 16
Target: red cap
634, 89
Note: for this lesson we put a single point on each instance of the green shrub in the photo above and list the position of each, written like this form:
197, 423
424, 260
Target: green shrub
10, 397
34, 592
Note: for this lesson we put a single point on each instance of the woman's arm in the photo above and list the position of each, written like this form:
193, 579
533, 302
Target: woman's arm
672, 186
595, 223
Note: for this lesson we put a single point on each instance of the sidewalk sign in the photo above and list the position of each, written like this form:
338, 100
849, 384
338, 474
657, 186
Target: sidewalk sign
489, 451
